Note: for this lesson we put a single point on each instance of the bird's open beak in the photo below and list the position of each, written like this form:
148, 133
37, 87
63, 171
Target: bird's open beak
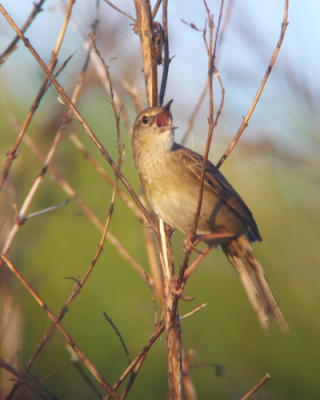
164, 117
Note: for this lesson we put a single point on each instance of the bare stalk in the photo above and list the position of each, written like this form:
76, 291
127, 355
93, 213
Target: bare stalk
171, 318
262, 85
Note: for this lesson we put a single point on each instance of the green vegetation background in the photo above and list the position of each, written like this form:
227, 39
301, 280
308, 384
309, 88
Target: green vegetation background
279, 183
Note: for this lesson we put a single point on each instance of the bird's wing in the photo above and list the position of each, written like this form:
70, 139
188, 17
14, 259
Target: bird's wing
219, 184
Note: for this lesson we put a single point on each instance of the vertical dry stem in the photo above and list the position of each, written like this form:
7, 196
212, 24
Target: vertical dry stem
172, 322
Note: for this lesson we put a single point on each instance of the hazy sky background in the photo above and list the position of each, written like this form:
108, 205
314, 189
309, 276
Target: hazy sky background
291, 95
250, 39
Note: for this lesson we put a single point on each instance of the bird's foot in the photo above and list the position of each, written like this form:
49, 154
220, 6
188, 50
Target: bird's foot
190, 243
178, 288
179, 283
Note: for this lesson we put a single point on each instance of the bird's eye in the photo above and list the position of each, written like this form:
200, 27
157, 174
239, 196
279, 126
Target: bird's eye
145, 120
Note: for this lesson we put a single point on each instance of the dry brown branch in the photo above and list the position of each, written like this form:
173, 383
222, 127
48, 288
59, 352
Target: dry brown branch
145, 30
156, 8
147, 278
211, 70
187, 382
113, 104
167, 60
28, 200
79, 284
136, 363
264, 81
12, 154
193, 311
86, 210
172, 322
76, 292
178, 369
66, 98
119, 336
13, 45
211, 50
35, 214
65, 334
123, 196
33, 384
47, 161
256, 387
194, 114
154, 264
120, 11
84, 375
204, 91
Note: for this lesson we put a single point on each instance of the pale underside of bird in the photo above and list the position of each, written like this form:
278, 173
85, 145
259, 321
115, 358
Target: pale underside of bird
170, 177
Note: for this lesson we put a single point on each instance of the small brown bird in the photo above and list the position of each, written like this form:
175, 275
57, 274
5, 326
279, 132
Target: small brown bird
170, 177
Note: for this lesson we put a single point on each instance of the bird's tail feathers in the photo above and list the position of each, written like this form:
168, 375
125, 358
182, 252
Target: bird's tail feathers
241, 256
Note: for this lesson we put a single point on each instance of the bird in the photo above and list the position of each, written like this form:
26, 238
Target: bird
170, 176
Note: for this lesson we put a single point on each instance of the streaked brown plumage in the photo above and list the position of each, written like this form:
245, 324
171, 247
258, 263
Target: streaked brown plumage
170, 177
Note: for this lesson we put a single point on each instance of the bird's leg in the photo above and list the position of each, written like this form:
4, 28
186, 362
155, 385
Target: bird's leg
178, 287
196, 262
218, 237
190, 242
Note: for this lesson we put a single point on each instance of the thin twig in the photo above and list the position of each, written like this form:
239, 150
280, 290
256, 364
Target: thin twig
56, 321
35, 214
123, 196
12, 154
78, 366
211, 49
45, 165
113, 104
194, 114
211, 122
153, 262
125, 348
166, 62
156, 8
262, 85
24, 209
189, 388
36, 387
86, 210
193, 311
147, 278
145, 29
119, 11
256, 387
12, 46
141, 355
101, 74
63, 94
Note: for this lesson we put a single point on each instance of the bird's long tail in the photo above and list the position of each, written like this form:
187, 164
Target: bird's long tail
241, 256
